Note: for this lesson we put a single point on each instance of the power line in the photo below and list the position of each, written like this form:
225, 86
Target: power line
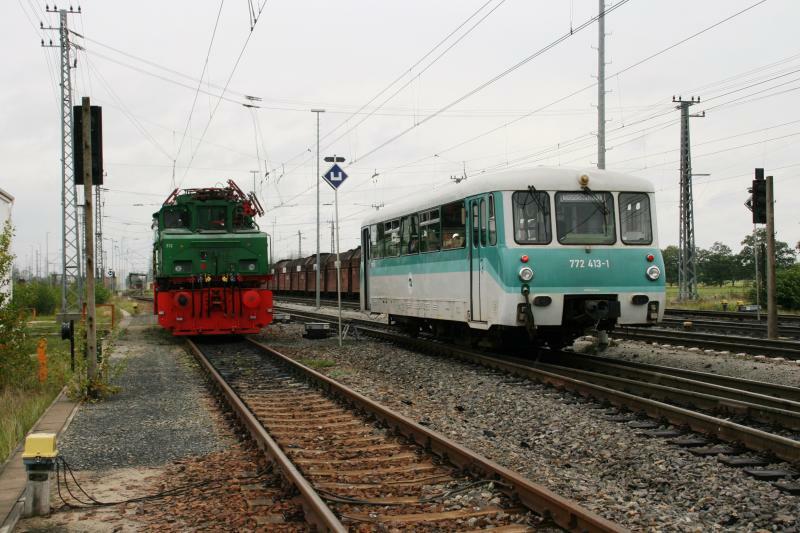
219, 100
199, 83
493, 80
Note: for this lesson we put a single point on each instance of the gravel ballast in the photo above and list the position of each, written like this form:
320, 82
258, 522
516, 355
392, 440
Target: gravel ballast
160, 414
553, 439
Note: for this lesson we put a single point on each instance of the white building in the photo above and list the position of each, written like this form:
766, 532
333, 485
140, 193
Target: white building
6, 203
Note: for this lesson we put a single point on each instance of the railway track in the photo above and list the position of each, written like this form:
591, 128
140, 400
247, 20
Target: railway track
356, 464
769, 414
789, 320
746, 329
325, 302
732, 343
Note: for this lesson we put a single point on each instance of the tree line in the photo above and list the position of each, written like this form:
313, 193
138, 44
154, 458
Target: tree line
718, 265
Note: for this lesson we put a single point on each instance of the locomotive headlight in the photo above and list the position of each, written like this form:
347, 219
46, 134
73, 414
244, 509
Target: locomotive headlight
525, 274
653, 273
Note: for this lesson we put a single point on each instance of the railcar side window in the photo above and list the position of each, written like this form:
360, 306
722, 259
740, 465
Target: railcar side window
492, 222
531, 212
453, 225
176, 217
634, 218
211, 217
376, 241
483, 222
476, 224
430, 227
391, 238
410, 235
585, 217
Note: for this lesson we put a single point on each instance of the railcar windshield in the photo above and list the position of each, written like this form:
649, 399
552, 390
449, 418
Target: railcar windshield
585, 217
634, 218
531, 211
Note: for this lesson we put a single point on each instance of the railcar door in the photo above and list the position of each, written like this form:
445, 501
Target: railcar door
474, 258
365, 253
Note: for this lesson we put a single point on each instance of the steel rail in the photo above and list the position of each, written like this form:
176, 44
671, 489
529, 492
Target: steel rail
790, 349
750, 329
787, 418
655, 376
758, 387
315, 509
565, 513
739, 315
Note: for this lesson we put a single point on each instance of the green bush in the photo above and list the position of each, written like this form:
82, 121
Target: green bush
37, 295
787, 287
101, 294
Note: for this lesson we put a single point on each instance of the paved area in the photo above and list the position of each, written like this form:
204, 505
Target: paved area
121, 446
157, 417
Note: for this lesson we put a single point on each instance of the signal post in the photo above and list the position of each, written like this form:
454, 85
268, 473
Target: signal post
88, 147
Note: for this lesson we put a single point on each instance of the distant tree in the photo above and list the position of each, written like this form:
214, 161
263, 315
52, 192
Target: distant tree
717, 265
670, 254
784, 258
785, 255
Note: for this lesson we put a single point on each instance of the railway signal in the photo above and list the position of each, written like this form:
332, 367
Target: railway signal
335, 176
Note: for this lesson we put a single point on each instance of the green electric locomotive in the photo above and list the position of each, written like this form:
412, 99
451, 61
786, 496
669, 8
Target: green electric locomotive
211, 263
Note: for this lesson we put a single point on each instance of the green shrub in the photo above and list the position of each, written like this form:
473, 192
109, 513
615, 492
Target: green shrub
101, 294
787, 287
37, 295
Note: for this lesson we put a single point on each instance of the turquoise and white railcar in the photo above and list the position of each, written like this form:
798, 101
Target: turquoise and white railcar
545, 251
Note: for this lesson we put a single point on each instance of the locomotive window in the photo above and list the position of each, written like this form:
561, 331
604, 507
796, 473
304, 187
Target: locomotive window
634, 218
391, 238
176, 218
430, 226
531, 212
410, 235
453, 225
376, 241
492, 222
585, 217
483, 222
211, 217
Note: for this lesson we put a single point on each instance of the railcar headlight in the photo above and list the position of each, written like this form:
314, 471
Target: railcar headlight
525, 274
653, 273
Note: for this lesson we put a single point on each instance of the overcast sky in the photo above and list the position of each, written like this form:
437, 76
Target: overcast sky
143, 62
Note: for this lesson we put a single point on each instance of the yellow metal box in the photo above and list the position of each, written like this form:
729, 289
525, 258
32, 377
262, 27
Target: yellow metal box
40, 445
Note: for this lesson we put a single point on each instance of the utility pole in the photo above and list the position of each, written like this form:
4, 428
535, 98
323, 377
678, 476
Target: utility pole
91, 326
601, 86
299, 244
772, 307
687, 274
71, 279
316, 285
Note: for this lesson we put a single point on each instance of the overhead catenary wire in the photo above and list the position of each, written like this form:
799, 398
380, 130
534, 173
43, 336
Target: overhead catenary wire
199, 83
219, 100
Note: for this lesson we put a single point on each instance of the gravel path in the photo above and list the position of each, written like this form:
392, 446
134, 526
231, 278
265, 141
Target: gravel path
554, 439
161, 413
